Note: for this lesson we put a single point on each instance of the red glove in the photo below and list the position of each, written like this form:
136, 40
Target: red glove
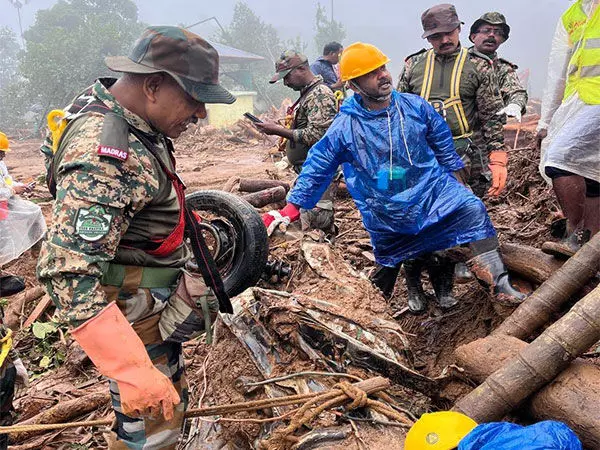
498, 162
287, 215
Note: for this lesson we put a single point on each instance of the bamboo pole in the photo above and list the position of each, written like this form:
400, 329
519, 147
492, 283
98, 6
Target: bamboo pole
538, 308
536, 365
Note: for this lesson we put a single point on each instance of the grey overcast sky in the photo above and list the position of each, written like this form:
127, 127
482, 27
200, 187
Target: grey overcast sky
392, 25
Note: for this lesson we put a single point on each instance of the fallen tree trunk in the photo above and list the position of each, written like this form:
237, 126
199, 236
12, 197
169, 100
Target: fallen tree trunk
529, 262
537, 364
255, 185
573, 397
63, 412
12, 313
263, 198
538, 308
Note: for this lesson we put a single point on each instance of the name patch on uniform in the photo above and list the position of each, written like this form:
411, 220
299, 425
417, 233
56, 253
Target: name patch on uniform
112, 152
92, 224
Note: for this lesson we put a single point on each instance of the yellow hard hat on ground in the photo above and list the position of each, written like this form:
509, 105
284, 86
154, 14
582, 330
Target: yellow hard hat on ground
3, 143
359, 59
438, 431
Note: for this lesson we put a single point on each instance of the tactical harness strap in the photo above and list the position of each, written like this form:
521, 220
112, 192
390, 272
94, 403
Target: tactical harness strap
186, 223
453, 101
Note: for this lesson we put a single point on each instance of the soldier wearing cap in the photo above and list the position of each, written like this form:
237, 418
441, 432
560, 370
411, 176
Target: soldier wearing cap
114, 255
309, 118
488, 33
462, 86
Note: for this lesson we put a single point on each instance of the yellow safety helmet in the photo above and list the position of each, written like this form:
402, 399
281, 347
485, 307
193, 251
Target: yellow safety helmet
4, 143
438, 431
359, 59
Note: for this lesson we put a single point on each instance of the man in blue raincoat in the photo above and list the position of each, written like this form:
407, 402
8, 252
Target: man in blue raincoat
398, 159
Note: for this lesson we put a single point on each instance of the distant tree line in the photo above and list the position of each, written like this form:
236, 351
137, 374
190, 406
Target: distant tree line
64, 52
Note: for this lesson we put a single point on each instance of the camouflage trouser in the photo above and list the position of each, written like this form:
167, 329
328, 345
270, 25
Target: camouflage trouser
8, 377
321, 217
132, 433
476, 171
169, 316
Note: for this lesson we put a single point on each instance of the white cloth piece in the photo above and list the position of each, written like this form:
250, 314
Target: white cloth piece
22, 376
24, 226
511, 110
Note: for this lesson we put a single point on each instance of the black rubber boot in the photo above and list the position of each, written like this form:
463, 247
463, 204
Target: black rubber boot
384, 278
441, 275
490, 271
10, 285
417, 302
568, 246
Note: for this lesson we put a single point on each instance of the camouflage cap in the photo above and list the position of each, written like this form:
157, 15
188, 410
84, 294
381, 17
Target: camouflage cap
439, 19
492, 18
289, 60
188, 58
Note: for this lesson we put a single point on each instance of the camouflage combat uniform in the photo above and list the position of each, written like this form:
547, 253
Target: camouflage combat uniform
511, 89
479, 95
313, 113
113, 200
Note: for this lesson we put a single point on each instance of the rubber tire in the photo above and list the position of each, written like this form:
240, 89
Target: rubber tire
251, 261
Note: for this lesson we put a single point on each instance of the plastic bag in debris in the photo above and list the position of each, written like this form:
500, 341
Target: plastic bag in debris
547, 435
21, 226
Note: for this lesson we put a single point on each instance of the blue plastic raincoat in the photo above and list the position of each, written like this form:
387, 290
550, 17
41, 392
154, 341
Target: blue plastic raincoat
397, 164
547, 435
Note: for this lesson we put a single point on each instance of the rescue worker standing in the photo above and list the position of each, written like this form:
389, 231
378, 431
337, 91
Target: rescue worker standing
398, 160
113, 256
462, 86
571, 121
310, 117
488, 33
324, 65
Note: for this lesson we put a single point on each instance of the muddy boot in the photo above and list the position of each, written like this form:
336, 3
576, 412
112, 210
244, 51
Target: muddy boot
490, 271
10, 285
462, 274
568, 246
384, 278
441, 275
417, 302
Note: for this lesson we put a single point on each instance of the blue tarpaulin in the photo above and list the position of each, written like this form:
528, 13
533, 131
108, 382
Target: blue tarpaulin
548, 435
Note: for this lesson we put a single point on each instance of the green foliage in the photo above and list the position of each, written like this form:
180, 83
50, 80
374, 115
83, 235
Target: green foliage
9, 49
327, 30
249, 32
48, 351
66, 46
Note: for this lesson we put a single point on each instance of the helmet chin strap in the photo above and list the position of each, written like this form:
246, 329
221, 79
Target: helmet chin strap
379, 99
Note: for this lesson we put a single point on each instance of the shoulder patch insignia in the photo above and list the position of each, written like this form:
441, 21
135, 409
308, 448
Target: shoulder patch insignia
93, 223
112, 152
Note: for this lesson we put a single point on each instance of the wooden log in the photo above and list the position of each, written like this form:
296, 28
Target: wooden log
263, 198
537, 364
63, 412
12, 313
573, 397
255, 185
529, 263
539, 307
42, 305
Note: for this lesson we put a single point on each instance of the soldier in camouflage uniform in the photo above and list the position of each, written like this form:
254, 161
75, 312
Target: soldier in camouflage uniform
311, 116
114, 255
488, 33
462, 86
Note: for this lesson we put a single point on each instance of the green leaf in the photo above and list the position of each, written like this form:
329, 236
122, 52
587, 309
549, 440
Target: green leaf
43, 329
45, 362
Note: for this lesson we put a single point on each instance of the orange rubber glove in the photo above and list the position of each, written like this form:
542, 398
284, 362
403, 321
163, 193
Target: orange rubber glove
118, 353
498, 162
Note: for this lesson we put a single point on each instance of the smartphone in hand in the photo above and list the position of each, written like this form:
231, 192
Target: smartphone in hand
252, 117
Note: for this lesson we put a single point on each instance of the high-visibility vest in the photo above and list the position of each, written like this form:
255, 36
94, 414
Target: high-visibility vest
583, 75
453, 102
